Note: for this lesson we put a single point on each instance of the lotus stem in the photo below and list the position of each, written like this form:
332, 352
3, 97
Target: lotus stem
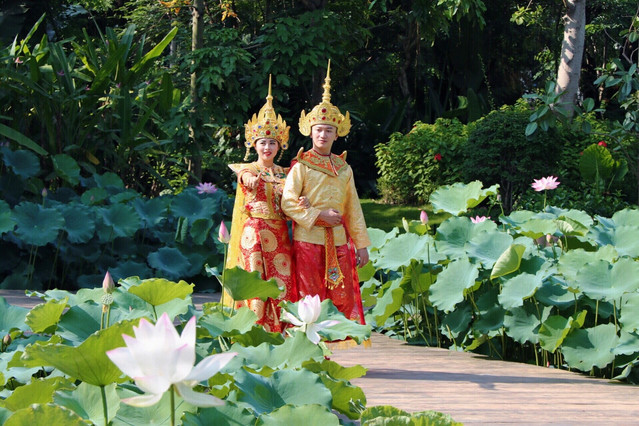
172, 390
536, 356
105, 409
614, 314
596, 311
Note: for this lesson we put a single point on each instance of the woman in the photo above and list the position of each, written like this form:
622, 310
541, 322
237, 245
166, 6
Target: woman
259, 232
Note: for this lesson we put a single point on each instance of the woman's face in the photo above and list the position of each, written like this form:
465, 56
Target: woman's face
266, 149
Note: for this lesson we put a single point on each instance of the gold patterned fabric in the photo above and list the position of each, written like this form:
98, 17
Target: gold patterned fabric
260, 239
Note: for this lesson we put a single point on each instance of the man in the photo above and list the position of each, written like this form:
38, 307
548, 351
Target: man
325, 233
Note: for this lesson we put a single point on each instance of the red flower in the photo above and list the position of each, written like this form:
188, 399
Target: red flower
602, 143
438, 157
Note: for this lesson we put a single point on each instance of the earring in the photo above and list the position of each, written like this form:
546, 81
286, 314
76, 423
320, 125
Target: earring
248, 152
279, 158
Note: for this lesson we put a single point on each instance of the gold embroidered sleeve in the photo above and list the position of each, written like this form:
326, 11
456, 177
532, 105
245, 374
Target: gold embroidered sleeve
354, 216
293, 189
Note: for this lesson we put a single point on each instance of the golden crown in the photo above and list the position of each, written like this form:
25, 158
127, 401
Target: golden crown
325, 112
266, 124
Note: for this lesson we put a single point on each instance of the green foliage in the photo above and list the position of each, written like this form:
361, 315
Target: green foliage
411, 166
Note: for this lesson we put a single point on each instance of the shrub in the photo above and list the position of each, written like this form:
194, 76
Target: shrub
412, 166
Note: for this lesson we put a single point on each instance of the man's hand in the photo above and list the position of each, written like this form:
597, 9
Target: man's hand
331, 217
303, 202
362, 256
250, 180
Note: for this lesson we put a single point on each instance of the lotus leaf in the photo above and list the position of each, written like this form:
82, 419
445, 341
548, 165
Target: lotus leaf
455, 235
37, 225
200, 230
458, 198
108, 179
400, 250
86, 401
11, 317
628, 313
387, 415
7, 224
308, 415
578, 218
292, 353
628, 344
79, 222
256, 336
347, 398
122, 219
455, 324
158, 291
23, 163
518, 288
555, 292
389, 303
170, 262
488, 246
452, 284
573, 261
243, 285
94, 196
596, 163
522, 324
379, 238
191, 207
535, 228
602, 280
591, 347
39, 391
219, 324
151, 211
45, 414
225, 415
266, 394
555, 328
44, 317
508, 262
66, 168
491, 314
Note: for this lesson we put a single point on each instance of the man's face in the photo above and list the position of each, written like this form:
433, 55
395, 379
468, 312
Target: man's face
323, 136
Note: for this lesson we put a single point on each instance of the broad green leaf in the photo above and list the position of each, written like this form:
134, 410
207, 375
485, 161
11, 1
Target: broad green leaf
219, 324
572, 262
7, 224
591, 347
456, 323
189, 206
522, 324
108, 179
243, 285
452, 284
379, 237
389, 303
335, 370
347, 398
122, 219
386, 415
12, 317
458, 197
596, 163
200, 230
79, 223
151, 211
94, 196
628, 344
39, 391
535, 228
23, 163
170, 262
553, 332
37, 225
491, 313
366, 272
628, 313
457, 235
157, 291
43, 317
400, 250
86, 401
292, 353
509, 261
488, 246
87, 362
257, 335
66, 168
518, 288
21, 139
602, 280
45, 414
225, 415
297, 414
266, 394
621, 231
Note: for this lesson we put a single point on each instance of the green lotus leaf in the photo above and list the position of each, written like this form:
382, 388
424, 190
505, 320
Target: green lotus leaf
366, 272
602, 280
415, 282
459, 197
79, 222
125, 196
45, 414
455, 324
131, 269
4, 413
517, 218
621, 231
44, 317
108, 179
452, 284
578, 218
626, 217
189, 206
243, 285
400, 250
37, 225
595, 163
347, 398
628, 312
11, 317
295, 350
157, 291
488, 246
554, 292
224, 415
219, 324
157, 415
66, 168
570, 263
555, 328
87, 362
522, 324
535, 228
518, 288
86, 401
266, 394
628, 344
591, 347
94, 196
336, 371
122, 219
200, 230
39, 391
170, 262
389, 302
379, 237
297, 414
509, 261
456, 234
23, 163
7, 224
151, 211
388, 415
257, 335
345, 328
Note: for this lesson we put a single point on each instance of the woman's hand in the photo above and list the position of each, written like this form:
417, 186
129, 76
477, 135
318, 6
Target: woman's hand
249, 180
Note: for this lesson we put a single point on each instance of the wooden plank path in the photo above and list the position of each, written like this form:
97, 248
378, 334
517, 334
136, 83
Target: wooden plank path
472, 388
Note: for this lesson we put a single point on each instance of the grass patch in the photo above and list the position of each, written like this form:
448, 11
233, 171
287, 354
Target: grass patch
389, 216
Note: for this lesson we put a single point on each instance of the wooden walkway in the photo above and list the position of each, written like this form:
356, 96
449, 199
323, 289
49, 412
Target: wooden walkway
471, 388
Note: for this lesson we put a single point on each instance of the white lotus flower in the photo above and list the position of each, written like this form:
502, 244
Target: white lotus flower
158, 358
309, 310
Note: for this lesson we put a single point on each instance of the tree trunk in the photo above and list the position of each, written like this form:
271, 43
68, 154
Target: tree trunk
572, 50
195, 160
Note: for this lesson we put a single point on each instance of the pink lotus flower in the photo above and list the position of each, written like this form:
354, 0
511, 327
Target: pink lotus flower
545, 183
308, 310
423, 217
479, 219
159, 359
223, 234
602, 143
206, 188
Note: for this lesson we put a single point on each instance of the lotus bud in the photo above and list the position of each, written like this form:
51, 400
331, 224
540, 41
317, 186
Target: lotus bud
6, 340
405, 224
44, 192
423, 216
107, 284
223, 234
